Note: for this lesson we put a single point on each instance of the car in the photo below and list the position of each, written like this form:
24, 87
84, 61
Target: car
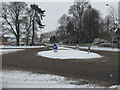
105, 44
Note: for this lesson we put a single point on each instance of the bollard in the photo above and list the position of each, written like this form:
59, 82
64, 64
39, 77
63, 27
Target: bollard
88, 49
55, 48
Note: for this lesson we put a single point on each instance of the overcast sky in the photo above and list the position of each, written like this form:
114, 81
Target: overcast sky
53, 11
56, 8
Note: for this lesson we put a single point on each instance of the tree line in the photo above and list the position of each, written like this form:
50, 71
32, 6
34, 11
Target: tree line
21, 20
83, 24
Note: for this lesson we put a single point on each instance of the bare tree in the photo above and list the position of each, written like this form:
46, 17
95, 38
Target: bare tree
108, 26
113, 13
62, 29
78, 10
12, 14
27, 23
84, 24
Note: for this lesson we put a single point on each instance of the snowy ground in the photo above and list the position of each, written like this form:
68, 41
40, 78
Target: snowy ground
22, 79
4, 51
115, 86
21, 46
99, 48
68, 54
9, 49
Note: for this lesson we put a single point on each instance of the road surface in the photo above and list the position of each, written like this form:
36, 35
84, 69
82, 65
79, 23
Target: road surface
102, 71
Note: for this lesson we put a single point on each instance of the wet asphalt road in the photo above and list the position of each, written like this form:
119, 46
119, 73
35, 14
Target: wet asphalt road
102, 71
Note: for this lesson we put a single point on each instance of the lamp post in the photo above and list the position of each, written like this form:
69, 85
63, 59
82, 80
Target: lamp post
119, 14
113, 23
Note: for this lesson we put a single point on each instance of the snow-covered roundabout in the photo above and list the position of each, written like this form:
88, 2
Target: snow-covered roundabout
69, 54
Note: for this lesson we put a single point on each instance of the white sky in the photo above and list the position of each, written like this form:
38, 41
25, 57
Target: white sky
56, 8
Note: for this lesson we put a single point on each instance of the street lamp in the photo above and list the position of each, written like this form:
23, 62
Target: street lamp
110, 7
113, 22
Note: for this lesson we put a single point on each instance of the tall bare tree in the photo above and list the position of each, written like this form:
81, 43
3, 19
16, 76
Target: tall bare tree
84, 25
78, 10
27, 25
108, 26
12, 14
62, 29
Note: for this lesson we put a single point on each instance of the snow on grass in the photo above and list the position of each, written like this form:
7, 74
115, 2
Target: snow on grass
69, 54
21, 46
115, 86
4, 51
9, 49
98, 48
22, 79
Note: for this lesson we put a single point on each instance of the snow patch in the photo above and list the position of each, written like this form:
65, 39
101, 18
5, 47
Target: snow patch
22, 79
69, 54
4, 51
21, 46
115, 86
98, 48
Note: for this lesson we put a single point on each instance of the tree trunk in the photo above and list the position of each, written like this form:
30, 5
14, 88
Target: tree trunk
27, 41
27, 37
33, 32
17, 30
17, 41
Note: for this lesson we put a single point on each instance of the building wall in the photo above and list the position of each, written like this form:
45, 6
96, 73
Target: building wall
45, 40
3, 40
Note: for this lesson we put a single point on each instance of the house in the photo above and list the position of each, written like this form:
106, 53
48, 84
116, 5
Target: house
45, 40
3, 40
11, 39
